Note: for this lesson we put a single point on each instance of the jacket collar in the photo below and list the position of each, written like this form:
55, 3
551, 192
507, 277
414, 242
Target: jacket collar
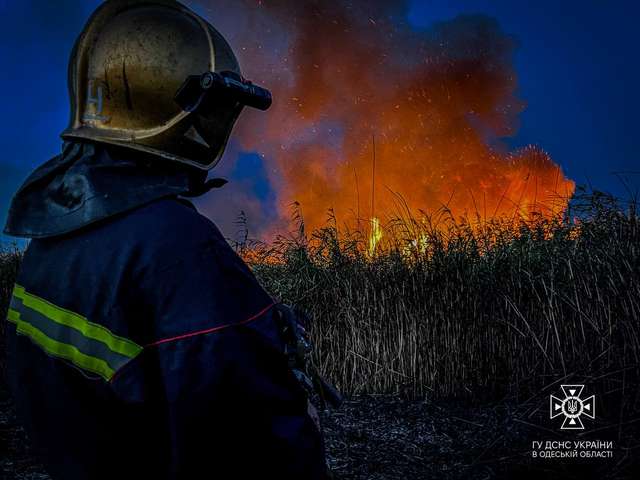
88, 183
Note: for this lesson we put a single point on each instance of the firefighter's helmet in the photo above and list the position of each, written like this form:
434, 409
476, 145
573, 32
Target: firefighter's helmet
152, 75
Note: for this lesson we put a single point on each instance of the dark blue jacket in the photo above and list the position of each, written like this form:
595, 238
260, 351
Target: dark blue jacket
142, 347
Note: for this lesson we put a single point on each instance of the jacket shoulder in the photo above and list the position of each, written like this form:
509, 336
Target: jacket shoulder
164, 230
170, 220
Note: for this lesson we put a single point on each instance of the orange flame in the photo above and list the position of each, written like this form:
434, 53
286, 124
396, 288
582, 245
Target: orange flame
439, 103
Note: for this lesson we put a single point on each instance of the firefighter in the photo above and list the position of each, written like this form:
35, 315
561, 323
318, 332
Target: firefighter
140, 346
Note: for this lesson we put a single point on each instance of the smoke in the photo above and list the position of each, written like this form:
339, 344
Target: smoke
437, 105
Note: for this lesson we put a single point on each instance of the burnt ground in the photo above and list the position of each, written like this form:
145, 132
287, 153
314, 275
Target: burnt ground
384, 437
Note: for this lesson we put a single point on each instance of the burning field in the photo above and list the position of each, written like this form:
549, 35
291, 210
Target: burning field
453, 281
373, 119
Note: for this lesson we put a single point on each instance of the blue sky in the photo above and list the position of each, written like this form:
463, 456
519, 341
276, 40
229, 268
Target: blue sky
578, 72
576, 62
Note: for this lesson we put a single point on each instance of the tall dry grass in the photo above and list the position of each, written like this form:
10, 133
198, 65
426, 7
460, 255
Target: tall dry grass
454, 309
9, 263
451, 309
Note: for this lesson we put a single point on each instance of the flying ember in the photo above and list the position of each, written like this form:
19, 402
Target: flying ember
439, 103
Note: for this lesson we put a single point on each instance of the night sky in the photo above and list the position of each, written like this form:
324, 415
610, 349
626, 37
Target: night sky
577, 65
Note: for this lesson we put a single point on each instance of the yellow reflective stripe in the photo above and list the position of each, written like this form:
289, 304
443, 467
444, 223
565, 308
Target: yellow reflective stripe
61, 350
70, 319
13, 316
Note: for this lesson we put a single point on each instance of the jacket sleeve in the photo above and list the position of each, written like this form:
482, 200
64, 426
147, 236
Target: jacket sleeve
215, 374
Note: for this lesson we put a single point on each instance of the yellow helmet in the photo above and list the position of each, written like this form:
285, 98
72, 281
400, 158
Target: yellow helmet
153, 76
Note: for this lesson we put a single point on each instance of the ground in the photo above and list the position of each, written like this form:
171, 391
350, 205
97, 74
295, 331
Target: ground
15, 461
385, 437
